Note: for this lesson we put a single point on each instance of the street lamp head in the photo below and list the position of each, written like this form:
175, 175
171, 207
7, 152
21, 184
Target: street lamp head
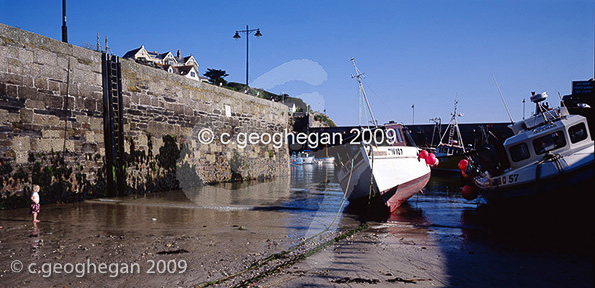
258, 33
237, 35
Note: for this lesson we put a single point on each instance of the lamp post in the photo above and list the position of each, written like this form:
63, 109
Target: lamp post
237, 36
64, 29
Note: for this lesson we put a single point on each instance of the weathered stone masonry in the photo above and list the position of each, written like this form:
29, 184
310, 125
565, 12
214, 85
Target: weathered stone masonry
57, 141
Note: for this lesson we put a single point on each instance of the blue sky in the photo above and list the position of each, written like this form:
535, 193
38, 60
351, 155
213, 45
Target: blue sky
413, 52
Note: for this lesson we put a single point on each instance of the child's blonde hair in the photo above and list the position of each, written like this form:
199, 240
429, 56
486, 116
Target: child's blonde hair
36, 188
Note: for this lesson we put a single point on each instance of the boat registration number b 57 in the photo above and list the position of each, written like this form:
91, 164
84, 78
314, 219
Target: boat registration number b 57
512, 178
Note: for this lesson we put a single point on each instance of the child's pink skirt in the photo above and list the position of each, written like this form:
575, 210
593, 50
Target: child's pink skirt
34, 208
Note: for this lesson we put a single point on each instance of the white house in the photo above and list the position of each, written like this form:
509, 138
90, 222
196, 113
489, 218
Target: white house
185, 66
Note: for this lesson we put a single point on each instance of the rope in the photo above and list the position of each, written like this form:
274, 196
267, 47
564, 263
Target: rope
264, 261
548, 157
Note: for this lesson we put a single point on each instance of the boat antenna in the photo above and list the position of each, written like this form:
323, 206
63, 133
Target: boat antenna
562, 100
502, 97
523, 108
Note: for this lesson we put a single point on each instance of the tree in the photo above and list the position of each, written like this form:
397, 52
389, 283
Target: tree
216, 76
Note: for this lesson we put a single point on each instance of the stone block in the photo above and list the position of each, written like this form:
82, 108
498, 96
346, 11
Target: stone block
144, 100
25, 55
15, 66
49, 144
21, 143
157, 143
26, 115
70, 146
12, 91
13, 117
142, 141
41, 120
10, 78
45, 57
98, 138
46, 133
54, 85
53, 72
89, 148
40, 83
21, 157
3, 116
82, 119
34, 104
55, 102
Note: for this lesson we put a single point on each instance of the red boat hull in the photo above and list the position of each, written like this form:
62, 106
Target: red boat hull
398, 195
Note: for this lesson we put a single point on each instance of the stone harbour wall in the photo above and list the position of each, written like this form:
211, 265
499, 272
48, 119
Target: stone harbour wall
51, 125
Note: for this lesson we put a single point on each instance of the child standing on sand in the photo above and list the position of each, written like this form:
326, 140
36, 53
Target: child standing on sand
35, 204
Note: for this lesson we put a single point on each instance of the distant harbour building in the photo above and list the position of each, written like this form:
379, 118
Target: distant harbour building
185, 66
582, 100
292, 108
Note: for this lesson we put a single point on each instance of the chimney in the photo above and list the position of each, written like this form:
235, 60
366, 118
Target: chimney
179, 53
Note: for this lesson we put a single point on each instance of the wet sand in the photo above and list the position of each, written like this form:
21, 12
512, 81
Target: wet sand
435, 241
211, 242
396, 254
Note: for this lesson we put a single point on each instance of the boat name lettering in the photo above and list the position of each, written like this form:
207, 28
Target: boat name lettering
395, 151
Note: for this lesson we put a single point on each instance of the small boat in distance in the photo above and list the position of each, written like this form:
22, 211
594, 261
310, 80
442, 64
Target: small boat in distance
450, 151
325, 160
385, 164
302, 157
295, 160
549, 155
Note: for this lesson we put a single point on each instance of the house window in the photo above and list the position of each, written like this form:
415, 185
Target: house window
549, 142
192, 74
519, 152
577, 133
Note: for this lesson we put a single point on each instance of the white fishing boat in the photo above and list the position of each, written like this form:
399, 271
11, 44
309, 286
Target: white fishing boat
295, 160
307, 156
451, 148
303, 157
325, 160
387, 165
549, 153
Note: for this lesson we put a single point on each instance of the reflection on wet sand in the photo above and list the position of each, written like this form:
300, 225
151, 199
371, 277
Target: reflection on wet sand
439, 239
229, 196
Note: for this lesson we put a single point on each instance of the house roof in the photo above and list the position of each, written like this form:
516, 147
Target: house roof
132, 53
182, 61
184, 70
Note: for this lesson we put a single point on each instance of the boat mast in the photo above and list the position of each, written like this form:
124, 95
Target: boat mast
453, 126
358, 75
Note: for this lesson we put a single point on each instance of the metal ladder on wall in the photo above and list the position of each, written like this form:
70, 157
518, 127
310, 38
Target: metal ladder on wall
113, 124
